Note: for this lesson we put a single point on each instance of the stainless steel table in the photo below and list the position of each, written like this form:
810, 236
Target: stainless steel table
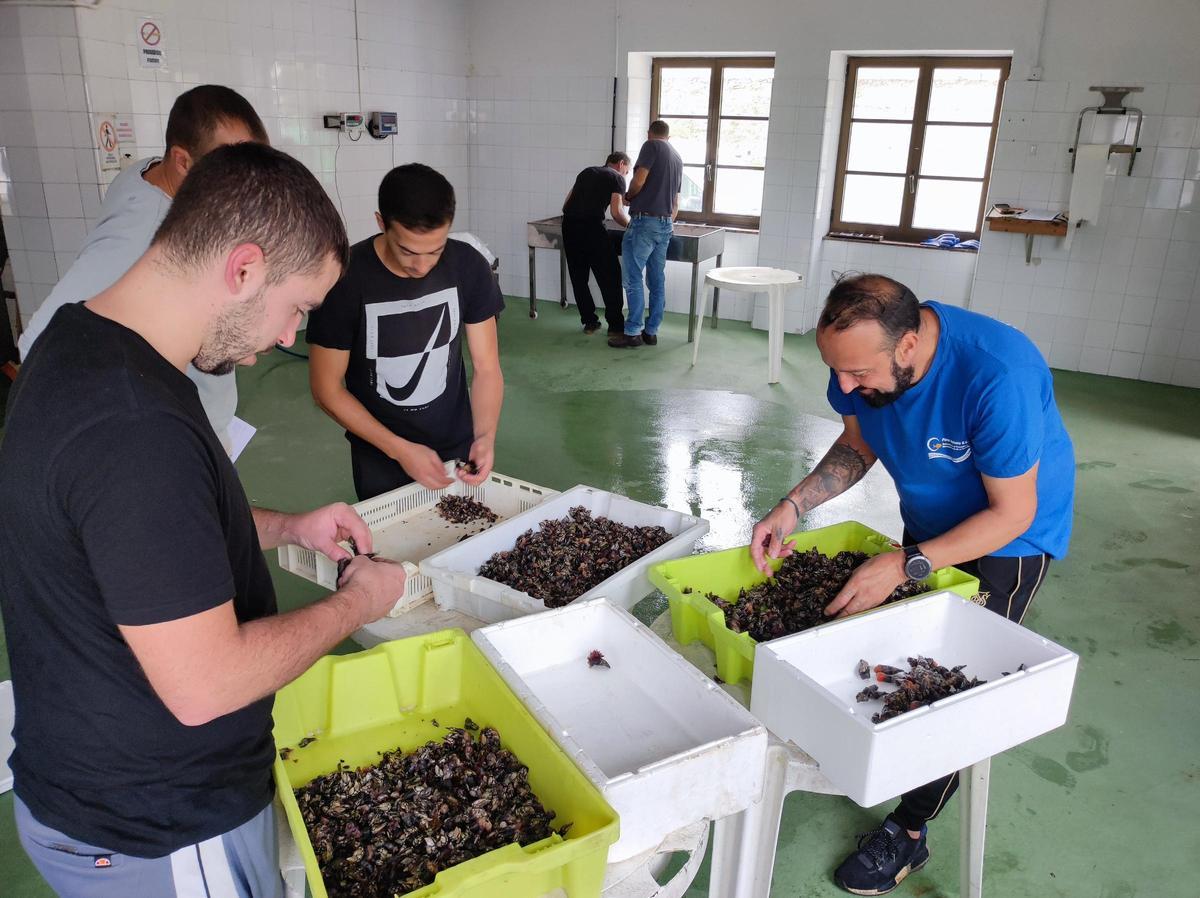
690, 243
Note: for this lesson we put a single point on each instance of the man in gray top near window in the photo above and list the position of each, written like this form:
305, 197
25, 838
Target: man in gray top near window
201, 120
653, 204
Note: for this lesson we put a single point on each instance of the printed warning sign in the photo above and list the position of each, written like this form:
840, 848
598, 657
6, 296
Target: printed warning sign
151, 53
108, 144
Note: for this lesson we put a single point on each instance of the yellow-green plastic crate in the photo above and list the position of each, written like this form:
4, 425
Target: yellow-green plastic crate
725, 574
387, 698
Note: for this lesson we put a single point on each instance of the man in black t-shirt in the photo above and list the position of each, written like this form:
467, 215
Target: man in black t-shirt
587, 244
142, 627
386, 357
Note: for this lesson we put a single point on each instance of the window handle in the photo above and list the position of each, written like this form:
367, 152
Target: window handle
912, 183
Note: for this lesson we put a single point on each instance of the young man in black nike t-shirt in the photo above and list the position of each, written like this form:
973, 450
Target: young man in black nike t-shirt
386, 346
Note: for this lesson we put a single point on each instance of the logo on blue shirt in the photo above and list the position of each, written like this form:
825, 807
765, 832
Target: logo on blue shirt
957, 451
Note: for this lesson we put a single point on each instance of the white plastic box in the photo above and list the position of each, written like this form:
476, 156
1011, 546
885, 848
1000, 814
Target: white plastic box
805, 687
455, 571
664, 743
406, 527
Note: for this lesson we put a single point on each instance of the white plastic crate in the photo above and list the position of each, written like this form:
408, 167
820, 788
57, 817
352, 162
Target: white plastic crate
405, 527
455, 571
804, 689
665, 744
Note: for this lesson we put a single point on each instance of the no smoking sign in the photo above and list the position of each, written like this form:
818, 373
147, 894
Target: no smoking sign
151, 54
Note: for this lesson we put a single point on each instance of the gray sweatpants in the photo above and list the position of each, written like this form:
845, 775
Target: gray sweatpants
242, 863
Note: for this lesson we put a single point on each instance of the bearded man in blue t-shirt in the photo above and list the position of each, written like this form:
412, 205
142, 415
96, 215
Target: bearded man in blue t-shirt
960, 409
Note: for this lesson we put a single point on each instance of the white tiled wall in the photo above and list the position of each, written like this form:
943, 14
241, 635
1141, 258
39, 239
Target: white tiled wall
48, 189
512, 99
292, 60
1125, 298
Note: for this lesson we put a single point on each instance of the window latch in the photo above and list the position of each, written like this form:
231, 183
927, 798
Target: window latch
912, 183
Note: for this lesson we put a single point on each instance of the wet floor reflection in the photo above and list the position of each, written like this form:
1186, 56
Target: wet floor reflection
724, 456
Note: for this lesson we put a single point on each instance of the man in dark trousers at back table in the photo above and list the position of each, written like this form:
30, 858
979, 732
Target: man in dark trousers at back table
587, 243
653, 204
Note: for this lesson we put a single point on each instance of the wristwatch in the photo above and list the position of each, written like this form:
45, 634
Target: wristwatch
916, 565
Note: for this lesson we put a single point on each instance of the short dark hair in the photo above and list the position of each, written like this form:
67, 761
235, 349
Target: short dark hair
616, 159
416, 197
872, 297
198, 112
251, 193
659, 128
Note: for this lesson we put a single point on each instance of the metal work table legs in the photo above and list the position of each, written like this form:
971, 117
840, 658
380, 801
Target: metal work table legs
562, 281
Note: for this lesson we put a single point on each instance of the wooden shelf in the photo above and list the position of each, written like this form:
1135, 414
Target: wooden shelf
1016, 225
1013, 224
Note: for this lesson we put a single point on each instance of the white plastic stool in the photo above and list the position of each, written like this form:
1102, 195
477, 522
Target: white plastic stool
775, 282
744, 845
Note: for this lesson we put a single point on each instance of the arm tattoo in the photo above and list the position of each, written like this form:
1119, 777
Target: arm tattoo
841, 468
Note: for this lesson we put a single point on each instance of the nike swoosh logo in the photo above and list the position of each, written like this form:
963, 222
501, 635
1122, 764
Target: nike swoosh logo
400, 394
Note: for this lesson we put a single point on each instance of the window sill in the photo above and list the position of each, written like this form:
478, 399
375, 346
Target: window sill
903, 243
732, 229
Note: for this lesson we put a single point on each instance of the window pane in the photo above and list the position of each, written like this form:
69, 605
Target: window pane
963, 95
691, 194
739, 192
746, 91
885, 93
683, 91
742, 143
955, 152
947, 205
872, 199
878, 147
689, 137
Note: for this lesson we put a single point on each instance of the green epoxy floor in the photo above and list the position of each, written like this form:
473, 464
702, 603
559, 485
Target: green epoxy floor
1101, 807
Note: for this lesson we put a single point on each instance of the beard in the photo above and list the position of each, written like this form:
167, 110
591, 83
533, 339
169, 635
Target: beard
232, 336
904, 381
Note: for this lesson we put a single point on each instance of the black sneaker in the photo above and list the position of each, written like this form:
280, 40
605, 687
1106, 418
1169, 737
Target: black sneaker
590, 329
884, 857
649, 339
624, 341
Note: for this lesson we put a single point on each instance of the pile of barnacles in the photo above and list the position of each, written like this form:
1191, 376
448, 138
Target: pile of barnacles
389, 828
796, 597
922, 684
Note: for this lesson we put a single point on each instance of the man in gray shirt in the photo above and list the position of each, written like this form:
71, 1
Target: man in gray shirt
201, 119
653, 204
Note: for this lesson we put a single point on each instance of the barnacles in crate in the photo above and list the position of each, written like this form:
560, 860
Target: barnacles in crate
922, 684
566, 557
390, 828
796, 597
464, 510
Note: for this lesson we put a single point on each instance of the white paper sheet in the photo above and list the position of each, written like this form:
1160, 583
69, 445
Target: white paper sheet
240, 434
1087, 186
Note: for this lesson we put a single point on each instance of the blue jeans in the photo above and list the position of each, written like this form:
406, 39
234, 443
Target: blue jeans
644, 248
